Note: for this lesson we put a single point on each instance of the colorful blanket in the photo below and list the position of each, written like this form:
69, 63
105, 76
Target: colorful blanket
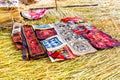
101, 40
97, 38
78, 44
32, 49
58, 50
63, 40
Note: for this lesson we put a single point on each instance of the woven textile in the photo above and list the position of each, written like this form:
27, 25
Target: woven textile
32, 49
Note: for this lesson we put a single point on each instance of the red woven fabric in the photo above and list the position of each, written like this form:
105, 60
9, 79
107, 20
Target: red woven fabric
32, 49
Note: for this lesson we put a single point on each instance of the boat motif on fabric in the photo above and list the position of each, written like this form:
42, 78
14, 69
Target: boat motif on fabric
80, 46
32, 49
52, 42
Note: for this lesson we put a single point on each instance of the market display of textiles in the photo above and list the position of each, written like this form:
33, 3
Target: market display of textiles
64, 40
97, 38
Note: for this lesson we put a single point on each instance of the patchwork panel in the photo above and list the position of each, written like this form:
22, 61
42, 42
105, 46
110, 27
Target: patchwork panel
77, 43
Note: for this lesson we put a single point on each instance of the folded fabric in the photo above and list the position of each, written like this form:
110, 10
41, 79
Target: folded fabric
101, 40
80, 28
16, 35
78, 44
97, 38
32, 49
45, 33
78, 25
81, 47
73, 19
61, 53
57, 49
33, 14
66, 33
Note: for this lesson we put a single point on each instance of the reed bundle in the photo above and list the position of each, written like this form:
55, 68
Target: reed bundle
8, 15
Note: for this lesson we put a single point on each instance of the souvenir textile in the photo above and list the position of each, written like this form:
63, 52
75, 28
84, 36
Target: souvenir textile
60, 53
66, 33
32, 48
101, 40
33, 14
97, 38
52, 42
78, 25
57, 49
80, 28
16, 35
78, 44
45, 33
81, 47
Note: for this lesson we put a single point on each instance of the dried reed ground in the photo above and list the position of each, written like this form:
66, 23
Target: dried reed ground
102, 65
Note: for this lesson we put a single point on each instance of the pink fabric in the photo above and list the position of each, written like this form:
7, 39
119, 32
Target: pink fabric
38, 13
